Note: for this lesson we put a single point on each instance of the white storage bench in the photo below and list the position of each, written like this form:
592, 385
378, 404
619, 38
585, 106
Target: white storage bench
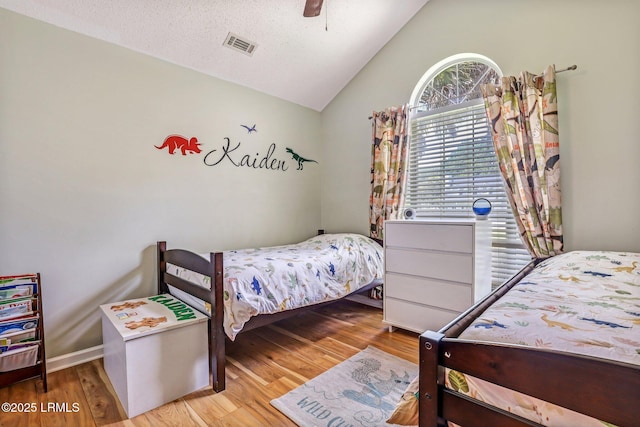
155, 351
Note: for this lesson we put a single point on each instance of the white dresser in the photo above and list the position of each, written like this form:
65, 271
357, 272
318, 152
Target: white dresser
434, 270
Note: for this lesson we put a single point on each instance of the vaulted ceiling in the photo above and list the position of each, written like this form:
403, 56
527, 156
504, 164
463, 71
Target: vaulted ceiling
303, 60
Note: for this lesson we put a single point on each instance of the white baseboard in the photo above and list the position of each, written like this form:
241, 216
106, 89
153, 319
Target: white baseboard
76, 358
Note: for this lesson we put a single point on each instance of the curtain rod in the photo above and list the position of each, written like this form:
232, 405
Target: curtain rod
569, 68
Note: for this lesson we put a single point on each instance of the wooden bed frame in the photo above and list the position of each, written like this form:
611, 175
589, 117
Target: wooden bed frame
213, 268
605, 390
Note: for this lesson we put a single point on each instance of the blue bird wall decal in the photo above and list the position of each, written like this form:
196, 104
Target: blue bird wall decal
250, 129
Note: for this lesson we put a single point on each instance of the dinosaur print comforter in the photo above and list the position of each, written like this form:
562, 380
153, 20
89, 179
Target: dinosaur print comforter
582, 302
273, 279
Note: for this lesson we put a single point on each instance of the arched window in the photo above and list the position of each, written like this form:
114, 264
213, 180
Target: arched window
451, 157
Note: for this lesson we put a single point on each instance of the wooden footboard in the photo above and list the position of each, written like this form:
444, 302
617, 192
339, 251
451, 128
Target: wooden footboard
601, 389
606, 390
213, 268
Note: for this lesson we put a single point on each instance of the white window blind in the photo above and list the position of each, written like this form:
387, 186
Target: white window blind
451, 163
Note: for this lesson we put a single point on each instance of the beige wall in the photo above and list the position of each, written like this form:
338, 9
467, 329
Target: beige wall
600, 140
80, 199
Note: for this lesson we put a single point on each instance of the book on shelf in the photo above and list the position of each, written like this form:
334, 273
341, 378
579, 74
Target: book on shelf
18, 286
14, 308
17, 325
16, 337
18, 279
17, 291
5, 349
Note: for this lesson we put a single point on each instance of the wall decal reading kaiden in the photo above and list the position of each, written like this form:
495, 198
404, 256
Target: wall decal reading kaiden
216, 157
228, 154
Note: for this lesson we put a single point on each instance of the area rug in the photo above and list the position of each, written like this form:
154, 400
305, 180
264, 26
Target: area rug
361, 391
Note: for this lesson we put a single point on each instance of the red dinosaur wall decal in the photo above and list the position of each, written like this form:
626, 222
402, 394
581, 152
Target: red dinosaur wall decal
175, 142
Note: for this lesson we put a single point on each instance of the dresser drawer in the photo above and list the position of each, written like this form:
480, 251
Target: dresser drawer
450, 296
415, 317
435, 265
424, 235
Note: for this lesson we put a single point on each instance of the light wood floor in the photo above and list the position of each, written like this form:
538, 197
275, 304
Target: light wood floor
261, 365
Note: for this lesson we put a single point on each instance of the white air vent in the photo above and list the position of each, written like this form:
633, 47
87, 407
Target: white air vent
234, 41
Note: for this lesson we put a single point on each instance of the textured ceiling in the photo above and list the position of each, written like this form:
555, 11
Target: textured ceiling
303, 60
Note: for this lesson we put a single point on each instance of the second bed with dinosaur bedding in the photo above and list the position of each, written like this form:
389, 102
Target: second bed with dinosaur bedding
565, 334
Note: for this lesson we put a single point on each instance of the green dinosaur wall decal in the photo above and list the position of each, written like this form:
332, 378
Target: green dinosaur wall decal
299, 158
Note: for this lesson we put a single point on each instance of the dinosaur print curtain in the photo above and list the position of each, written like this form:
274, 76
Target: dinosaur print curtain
524, 118
389, 156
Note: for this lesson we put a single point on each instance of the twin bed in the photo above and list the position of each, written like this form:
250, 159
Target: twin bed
244, 289
557, 345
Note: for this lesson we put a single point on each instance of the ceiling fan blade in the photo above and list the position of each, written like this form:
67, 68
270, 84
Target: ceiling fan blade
312, 8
